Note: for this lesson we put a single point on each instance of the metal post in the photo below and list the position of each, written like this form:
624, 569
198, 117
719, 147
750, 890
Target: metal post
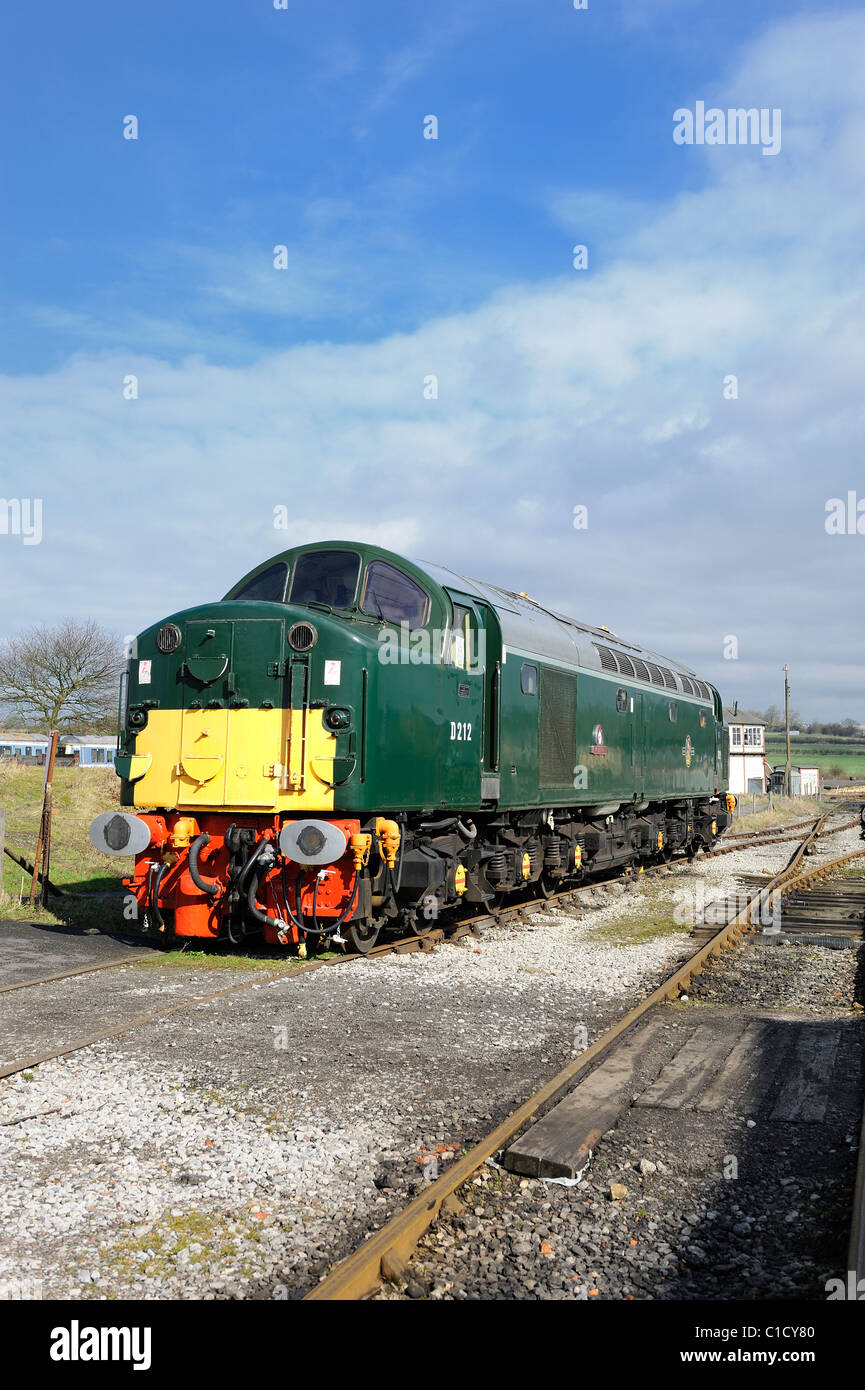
787, 773
43, 844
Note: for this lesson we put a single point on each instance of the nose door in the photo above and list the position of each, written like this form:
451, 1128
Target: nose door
204, 726
256, 732
231, 729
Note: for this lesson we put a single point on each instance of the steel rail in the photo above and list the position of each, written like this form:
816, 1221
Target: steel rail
856, 1251
770, 829
79, 970
287, 972
385, 1253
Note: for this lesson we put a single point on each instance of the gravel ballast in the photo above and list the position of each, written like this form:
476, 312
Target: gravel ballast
686, 1223
238, 1148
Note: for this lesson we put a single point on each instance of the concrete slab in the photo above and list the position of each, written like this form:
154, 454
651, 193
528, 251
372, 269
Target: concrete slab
29, 950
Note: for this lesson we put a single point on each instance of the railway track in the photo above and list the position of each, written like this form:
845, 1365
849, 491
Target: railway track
856, 1247
828, 911
113, 964
470, 924
436, 935
385, 1254
768, 830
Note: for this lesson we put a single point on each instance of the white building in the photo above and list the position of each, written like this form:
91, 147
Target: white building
805, 781
747, 757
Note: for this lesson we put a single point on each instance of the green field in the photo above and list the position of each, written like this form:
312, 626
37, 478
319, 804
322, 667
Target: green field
814, 750
80, 794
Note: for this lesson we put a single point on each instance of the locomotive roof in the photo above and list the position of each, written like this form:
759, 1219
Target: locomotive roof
527, 625
530, 626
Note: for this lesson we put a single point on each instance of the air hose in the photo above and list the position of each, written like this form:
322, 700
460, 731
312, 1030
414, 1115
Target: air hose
296, 920
205, 885
449, 824
156, 882
334, 926
258, 913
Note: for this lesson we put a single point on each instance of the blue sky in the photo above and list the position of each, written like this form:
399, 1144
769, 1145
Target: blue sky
407, 257
303, 127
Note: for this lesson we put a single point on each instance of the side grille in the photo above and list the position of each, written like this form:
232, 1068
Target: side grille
558, 728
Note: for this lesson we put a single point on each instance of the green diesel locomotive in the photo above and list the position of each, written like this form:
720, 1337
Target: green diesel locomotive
350, 740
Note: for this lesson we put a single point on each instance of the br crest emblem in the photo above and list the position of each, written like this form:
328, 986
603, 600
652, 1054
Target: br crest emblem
688, 751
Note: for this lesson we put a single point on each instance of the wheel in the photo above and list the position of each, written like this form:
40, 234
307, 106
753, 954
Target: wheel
418, 925
420, 921
362, 935
545, 888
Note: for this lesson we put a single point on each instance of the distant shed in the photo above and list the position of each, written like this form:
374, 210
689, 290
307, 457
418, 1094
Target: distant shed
805, 781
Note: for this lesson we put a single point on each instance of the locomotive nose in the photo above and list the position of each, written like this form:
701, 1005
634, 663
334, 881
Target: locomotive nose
119, 833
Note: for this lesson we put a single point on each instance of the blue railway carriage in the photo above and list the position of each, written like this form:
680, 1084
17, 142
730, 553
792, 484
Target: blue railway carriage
73, 750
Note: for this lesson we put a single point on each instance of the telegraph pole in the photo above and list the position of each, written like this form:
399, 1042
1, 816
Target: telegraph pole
787, 770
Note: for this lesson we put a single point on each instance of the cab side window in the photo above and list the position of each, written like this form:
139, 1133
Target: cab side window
390, 594
268, 586
529, 679
459, 652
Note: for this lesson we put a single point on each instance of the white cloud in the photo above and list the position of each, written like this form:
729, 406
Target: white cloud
705, 515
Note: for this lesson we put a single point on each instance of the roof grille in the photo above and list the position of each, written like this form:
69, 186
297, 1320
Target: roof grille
608, 661
648, 671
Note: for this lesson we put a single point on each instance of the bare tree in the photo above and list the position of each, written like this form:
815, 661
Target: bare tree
61, 676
